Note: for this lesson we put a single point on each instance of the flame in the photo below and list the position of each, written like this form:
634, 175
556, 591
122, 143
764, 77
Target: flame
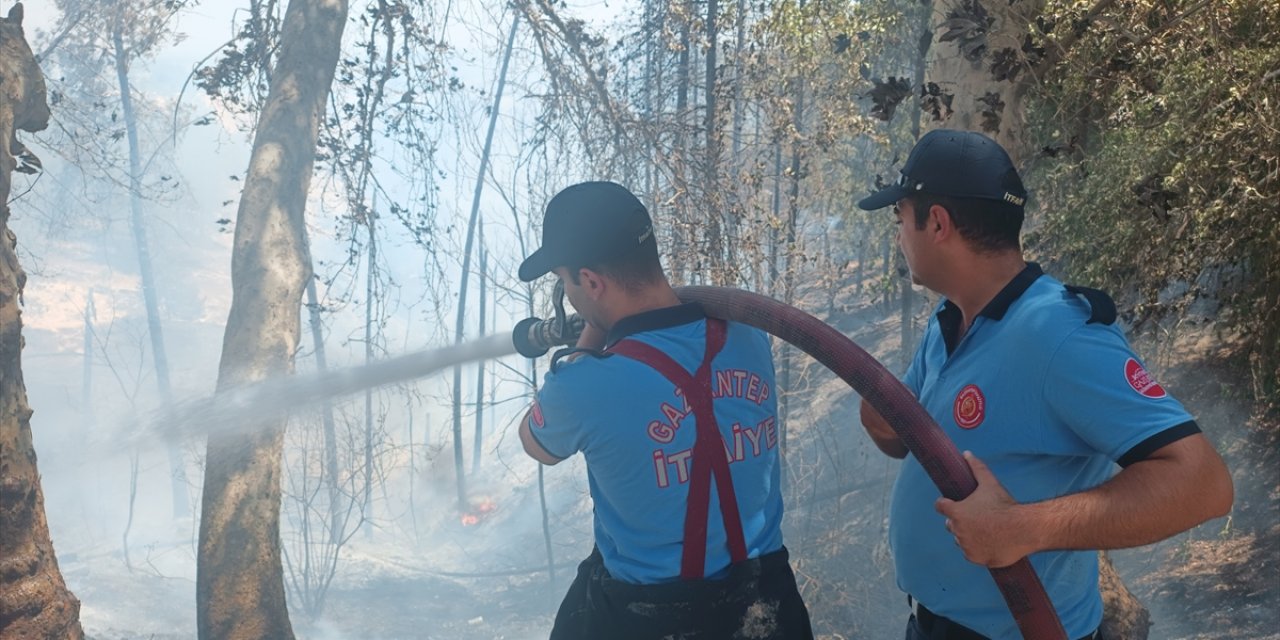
478, 512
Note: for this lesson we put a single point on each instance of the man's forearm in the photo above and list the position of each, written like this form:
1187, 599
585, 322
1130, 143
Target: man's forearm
883, 435
890, 446
1181, 486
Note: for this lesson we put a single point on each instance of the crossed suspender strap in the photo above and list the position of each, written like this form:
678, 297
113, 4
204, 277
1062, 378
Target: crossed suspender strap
709, 456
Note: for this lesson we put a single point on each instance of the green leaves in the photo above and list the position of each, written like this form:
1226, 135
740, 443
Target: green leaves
1170, 167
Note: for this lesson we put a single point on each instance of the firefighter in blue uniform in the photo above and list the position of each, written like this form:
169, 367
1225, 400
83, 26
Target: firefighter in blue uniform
1033, 380
675, 415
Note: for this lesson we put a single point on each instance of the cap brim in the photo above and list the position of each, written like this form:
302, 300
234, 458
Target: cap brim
883, 198
538, 264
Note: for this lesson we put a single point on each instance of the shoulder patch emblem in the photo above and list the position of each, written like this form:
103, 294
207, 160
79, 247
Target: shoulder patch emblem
970, 408
1141, 381
535, 415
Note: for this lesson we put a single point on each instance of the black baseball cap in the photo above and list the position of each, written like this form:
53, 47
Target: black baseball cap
585, 224
958, 164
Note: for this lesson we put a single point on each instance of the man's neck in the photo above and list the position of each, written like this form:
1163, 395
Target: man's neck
976, 283
659, 296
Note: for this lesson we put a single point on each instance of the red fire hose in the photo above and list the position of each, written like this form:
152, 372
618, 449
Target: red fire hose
1018, 583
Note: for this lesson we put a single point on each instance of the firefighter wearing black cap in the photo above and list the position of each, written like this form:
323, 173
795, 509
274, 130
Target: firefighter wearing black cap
675, 415
1032, 379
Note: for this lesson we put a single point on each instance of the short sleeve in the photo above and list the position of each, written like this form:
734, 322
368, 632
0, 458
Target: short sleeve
1098, 388
914, 377
554, 420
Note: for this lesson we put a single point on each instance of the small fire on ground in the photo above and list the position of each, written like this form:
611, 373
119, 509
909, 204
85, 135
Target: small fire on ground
479, 511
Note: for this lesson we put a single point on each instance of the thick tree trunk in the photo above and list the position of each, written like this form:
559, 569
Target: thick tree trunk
1124, 618
34, 600
239, 586
982, 65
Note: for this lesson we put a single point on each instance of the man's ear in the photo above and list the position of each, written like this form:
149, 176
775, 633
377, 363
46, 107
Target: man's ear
940, 223
593, 283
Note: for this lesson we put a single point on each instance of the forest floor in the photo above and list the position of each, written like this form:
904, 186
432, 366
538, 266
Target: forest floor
1219, 581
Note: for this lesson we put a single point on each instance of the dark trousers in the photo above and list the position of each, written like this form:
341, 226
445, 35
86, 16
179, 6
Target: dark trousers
926, 625
757, 600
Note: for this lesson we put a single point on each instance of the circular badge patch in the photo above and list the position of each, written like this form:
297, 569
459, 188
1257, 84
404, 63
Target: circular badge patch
1141, 381
971, 407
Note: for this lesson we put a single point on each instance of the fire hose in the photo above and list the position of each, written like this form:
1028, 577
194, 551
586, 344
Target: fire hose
1018, 583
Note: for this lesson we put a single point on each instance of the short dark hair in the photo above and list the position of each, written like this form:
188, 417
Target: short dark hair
989, 226
635, 270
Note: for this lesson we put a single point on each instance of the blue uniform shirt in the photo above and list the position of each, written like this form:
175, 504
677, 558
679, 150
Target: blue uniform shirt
636, 433
1050, 402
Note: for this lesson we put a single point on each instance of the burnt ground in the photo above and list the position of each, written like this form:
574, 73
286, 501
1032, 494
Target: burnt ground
1221, 580
436, 607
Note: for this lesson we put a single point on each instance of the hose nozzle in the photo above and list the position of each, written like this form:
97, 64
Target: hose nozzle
533, 337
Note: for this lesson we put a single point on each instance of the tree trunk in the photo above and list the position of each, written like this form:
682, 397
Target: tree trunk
542, 484
774, 288
336, 517
714, 201
239, 586
459, 472
680, 225
788, 276
86, 389
655, 45
907, 309
1123, 618
34, 600
983, 100
370, 283
907, 335
177, 468
479, 439
887, 246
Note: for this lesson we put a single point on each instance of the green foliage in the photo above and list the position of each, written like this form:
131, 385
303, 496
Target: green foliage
1163, 162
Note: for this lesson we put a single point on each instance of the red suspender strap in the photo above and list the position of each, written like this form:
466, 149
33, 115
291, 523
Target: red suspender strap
710, 457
